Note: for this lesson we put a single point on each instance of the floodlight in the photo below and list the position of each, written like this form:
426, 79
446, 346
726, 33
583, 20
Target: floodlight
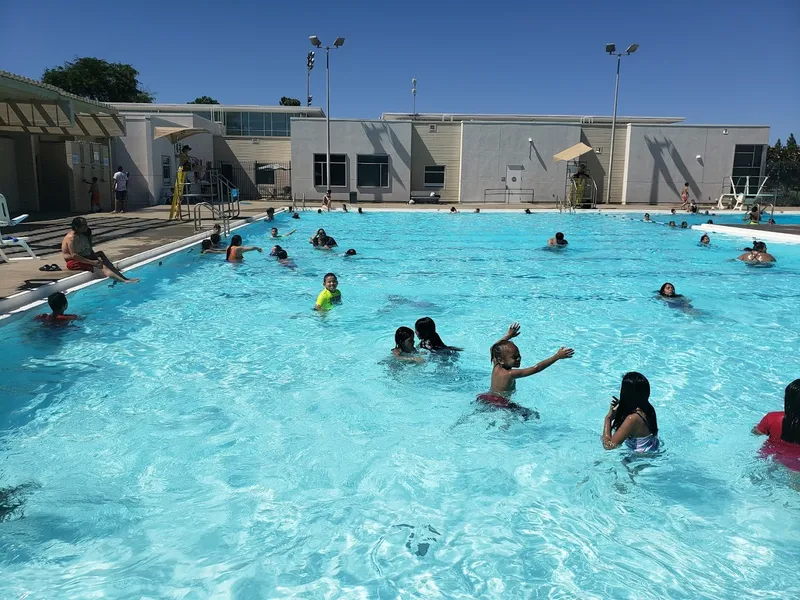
339, 42
611, 48
315, 41
632, 48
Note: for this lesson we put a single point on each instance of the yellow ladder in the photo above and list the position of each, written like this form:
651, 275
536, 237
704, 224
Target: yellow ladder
175, 210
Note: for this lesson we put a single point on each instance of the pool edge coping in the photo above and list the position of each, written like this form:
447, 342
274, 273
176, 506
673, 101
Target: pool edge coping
772, 236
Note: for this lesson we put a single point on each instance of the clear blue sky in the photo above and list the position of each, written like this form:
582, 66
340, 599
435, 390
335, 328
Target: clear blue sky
710, 61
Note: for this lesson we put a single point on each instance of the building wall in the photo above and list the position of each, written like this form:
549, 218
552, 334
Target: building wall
488, 148
662, 158
599, 138
133, 152
353, 138
27, 151
439, 147
247, 150
8, 174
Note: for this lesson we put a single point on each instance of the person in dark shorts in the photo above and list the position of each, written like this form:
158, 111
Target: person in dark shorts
120, 190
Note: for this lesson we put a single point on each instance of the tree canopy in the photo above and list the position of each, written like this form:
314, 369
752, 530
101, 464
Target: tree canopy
286, 101
783, 168
204, 100
99, 80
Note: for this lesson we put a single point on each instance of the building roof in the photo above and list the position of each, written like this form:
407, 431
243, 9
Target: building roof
153, 107
581, 119
17, 87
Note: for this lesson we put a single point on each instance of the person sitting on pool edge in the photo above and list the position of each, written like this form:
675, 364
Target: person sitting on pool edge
58, 304
207, 247
757, 255
705, 240
429, 339
557, 240
235, 251
631, 419
783, 429
76, 248
404, 346
506, 360
330, 295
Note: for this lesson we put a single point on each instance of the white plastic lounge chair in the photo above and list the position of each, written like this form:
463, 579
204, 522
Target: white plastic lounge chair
7, 242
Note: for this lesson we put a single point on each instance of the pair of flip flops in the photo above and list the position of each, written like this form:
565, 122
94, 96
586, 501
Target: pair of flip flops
53, 267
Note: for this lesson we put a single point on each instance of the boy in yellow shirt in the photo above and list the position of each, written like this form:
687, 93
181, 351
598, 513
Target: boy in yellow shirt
330, 295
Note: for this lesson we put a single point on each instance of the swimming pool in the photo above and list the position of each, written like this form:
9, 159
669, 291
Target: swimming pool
204, 434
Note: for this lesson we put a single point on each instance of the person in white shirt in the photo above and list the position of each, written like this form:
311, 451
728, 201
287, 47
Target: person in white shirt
120, 190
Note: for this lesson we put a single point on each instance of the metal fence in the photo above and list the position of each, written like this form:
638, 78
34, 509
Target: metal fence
259, 180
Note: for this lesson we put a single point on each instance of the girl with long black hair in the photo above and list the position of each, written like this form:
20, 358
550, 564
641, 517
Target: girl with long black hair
631, 419
429, 339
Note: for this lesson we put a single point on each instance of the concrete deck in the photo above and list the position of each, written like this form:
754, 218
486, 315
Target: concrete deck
788, 234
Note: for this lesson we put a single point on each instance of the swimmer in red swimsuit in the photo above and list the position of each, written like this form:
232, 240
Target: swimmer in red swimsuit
58, 304
505, 371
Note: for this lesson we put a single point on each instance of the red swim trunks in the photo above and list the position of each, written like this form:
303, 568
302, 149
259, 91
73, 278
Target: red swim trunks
74, 265
494, 400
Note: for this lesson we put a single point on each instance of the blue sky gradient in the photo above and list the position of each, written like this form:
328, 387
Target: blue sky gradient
710, 61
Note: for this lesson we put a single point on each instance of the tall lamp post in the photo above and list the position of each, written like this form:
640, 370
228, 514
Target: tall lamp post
338, 43
612, 50
310, 64
414, 94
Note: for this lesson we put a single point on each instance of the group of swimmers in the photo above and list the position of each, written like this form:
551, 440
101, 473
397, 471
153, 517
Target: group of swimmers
631, 419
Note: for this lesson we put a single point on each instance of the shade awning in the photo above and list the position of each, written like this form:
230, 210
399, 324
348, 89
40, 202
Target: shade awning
176, 134
572, 152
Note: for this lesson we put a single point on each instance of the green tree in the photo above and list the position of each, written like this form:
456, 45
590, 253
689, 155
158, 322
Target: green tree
783, 169
99, 80
286, 101
204, 100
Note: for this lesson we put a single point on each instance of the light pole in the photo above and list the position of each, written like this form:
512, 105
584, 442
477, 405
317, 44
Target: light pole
612, 50
414, 94
338, 43
310, 64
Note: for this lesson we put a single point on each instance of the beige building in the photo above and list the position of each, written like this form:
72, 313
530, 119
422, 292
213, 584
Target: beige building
51, 142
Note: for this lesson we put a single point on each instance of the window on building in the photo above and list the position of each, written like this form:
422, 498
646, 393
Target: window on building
747, 162
256, 124
166, 169
338, 170
264, 174
205, 114
373, 170
434, 176
233, 123
280, 125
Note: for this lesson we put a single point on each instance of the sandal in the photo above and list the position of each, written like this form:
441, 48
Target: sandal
55, 267
44, 268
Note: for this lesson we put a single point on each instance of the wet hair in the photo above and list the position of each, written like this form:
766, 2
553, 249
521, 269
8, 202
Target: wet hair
527, 211
324, 279
58, 303
559, 236
319, 211
686, 184
320, 233
295, 216
704, 237
709, 222
401, 335
350, 252
672, 211
281, 254
322, 240
759, 246
498, 350
359, 210
77, 223
647, 215
236, 240
477, 210
453, 209
684, 225
661, 290
791, 413
206, 245
217, 227
215, 238
273, 229
635, 393
426, 330
270, 210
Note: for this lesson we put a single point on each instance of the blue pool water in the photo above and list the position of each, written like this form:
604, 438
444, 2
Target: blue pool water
204, 434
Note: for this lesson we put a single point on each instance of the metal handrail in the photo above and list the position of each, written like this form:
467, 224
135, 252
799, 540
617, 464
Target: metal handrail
198, 220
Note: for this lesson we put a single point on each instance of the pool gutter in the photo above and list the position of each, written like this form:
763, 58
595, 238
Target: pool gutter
750, 234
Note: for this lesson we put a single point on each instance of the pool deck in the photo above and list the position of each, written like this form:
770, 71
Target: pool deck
131, 238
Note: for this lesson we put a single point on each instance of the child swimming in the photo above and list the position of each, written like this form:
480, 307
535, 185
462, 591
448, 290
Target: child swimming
284, 260
404, 346
506, 360
235, 251
330, 295
429, 339
58, 304
207, 247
